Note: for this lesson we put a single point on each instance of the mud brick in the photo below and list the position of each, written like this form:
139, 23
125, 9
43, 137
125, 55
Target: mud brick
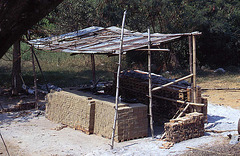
96, 114
187, 127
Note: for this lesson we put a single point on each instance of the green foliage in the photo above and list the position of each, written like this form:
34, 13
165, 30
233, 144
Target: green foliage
60, 69
218, 20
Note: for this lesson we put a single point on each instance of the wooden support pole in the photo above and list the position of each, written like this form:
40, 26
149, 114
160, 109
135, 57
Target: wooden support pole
150, 84
171, 83
35, 80
117, 85
39, 66
194, 70
190, 54
191, 67
93, 72
16, 69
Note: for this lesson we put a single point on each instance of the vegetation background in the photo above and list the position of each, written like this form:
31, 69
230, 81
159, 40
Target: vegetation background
218, 46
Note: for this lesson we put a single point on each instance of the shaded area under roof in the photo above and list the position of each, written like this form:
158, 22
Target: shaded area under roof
99, 40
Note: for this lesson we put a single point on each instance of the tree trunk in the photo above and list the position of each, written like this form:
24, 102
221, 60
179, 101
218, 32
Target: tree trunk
16, 69
17, 16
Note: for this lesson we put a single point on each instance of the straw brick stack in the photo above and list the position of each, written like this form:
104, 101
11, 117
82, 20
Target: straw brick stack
184, 128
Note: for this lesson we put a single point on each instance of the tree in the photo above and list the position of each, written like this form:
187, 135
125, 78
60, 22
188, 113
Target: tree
17, 16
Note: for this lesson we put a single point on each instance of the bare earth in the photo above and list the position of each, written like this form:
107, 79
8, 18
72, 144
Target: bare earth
222, 97
32, 134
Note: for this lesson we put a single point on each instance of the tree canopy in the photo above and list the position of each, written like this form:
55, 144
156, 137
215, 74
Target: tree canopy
17, 16
218, 20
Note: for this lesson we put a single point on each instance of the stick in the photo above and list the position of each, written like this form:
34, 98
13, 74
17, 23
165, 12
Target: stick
220, 88
35, 80
183, 111
218, 131
179, 101
171, 83
194, 148
152, 49
117, 85
150, 84
32, 49
177, 117
4, 144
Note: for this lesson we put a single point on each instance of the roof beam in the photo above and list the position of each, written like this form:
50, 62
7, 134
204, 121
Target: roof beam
152, 49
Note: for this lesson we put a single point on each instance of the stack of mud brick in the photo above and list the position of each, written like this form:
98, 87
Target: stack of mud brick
184, 128
70, 109
96, 115
134, 85
132, 122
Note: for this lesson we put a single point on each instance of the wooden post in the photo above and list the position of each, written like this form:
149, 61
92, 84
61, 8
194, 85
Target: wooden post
16, 69
35, 79
93, 72
191, 68
190, 54
33, 52
40, 69
194, 70
117, 85
150, 84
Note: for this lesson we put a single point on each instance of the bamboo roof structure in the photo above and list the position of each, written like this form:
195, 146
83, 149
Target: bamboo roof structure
99, 40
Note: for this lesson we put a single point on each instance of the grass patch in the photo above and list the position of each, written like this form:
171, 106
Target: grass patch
64, 70
60, 69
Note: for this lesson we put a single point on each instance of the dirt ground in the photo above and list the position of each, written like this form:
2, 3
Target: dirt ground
220, 97
219, 148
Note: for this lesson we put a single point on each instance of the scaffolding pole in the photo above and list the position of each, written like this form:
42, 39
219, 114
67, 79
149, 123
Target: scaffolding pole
117, 85
194, 70
150, 84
